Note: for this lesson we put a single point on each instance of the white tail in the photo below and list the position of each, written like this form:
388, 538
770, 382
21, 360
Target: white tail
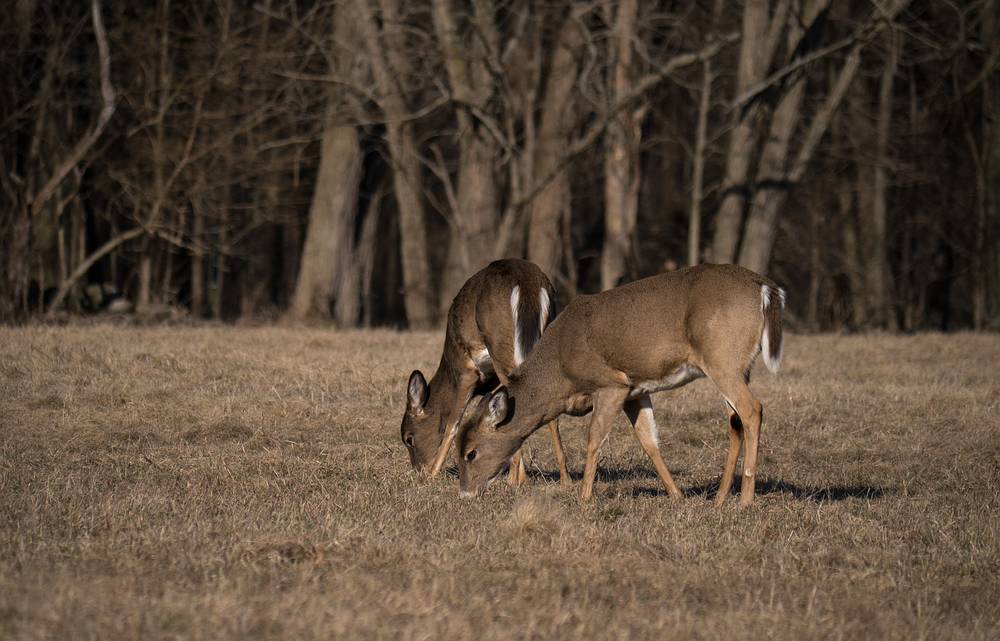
771, 341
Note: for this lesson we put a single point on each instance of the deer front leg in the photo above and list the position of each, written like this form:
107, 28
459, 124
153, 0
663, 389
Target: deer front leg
564, 478
466, 386
517, 475
640, 414
442, 452
607, 404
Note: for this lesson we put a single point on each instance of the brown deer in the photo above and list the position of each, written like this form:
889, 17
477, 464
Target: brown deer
493, 323
610, 351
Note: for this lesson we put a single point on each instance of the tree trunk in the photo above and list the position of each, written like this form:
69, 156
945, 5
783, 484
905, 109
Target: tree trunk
555, 123
698, 169
355, 272
879, 277
735, 190
331, 221
15, 236
986, 305
387, 54
771, 186
621, 162
144, 297
474, 223
198, 240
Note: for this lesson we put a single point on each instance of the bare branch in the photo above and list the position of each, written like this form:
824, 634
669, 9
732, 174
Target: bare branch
43, 195
638, 90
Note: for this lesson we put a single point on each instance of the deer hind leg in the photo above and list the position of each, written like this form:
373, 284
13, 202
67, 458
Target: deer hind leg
748, 412
735, 443
640, 414
607, 404
557, 448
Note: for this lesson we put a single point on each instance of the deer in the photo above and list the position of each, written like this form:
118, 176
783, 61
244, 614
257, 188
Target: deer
493, 323
608, 352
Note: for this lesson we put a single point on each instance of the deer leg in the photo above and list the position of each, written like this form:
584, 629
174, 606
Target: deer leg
442, 452
607, 403
557, 448
517, 475
735, 442
640, 414
467, 385
748, 410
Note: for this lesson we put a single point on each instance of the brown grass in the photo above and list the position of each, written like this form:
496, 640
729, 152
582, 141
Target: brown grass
220, 483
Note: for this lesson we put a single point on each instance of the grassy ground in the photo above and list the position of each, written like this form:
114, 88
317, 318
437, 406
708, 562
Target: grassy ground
220, 483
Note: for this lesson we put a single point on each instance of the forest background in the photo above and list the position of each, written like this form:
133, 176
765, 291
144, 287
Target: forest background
356, 160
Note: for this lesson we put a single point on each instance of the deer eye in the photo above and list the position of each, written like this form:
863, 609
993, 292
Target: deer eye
471, 456
408, 439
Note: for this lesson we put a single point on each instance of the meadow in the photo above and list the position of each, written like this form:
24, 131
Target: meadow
249, 483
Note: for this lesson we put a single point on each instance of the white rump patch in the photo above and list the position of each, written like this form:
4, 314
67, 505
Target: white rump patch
515, 300
543, 299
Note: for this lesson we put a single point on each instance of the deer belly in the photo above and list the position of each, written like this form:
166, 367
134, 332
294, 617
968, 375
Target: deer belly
677, 378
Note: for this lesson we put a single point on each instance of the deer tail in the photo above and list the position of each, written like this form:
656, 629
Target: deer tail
772, 302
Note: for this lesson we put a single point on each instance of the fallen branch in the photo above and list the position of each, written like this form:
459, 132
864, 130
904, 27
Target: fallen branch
83, 267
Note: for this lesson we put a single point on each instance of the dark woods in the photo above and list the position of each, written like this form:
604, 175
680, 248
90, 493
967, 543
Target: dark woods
356, 160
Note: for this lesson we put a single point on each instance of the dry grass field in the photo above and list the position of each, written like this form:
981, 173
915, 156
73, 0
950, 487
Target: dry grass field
248, 483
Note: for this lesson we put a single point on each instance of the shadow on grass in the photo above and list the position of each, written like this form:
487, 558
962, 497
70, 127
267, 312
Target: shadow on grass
798, 492
710, 490
603, 474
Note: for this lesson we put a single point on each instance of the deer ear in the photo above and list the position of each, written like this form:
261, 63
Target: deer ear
497, 407
416, 392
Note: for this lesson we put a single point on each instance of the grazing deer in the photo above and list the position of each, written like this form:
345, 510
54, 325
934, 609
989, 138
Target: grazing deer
493, 323
610, 351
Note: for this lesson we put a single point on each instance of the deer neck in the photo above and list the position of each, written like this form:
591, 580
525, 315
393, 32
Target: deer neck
540, 393
445, 385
